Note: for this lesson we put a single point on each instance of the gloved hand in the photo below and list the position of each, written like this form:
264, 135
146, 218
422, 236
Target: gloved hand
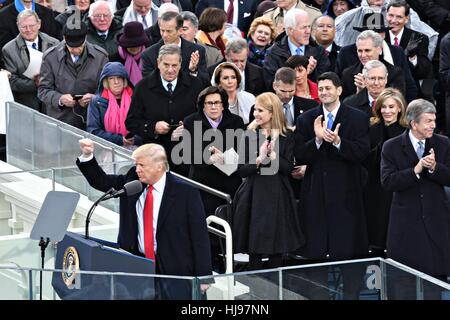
413, 46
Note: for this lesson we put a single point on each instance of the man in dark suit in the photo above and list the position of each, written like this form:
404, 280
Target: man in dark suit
416, 167
180, 244
375, 79
162, 100
240, 13
332, 141
324, 31
237, 52
414, 44
369, 46
193, 55
295, 41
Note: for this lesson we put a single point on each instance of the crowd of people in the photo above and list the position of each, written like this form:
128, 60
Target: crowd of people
342, 109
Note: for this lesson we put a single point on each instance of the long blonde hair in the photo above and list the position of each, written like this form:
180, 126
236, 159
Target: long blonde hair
399, 100
272, 103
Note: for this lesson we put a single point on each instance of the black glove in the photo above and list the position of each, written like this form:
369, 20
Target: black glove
413, 46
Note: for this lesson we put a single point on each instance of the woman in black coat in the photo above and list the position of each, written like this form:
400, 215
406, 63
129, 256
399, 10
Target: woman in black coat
265, 220
388, 122
212, 114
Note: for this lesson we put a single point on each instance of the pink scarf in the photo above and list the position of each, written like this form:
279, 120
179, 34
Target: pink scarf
115, 116
133, 64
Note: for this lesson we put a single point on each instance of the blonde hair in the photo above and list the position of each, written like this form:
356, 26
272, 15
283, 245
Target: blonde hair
265, 22
399, 100
272, 103
106, 85
153, 151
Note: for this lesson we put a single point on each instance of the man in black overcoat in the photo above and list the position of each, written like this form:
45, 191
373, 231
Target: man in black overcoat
415, 166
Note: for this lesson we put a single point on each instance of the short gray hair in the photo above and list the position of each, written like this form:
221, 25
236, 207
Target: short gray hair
236, 45
94, 6
290, 18
373, 64
25, 14
370, 34
192, 18
416, 108
169, 49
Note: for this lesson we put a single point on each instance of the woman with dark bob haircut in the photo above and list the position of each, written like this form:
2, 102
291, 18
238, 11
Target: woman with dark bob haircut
211, 26
304, 87
214, 119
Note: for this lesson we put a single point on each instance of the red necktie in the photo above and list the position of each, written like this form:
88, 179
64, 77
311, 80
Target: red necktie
230, 12
148, 225
396, 41
373, 105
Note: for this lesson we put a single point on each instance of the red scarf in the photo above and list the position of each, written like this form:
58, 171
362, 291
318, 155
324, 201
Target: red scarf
218, 43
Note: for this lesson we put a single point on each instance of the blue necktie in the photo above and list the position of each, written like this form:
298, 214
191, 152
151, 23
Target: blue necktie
75, 59
170, 88
34, 46
299, 51
420, 149
103, 36
330, 121
144, 22
288, 114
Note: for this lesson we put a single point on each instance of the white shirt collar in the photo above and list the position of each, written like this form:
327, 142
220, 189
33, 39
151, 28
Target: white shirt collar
415, 141
334, 112
30, 43
174, 83
399, 36
160, 184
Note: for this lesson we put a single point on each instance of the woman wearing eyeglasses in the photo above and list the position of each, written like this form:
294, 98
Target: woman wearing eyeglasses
213, 114
213, 118
265, 222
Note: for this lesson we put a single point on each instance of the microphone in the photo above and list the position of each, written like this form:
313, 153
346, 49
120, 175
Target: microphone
269, 139
129, 189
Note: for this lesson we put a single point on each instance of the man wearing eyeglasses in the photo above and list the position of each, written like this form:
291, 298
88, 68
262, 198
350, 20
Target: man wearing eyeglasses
375, 76
8, 18
69, 76
103, 28
17, 53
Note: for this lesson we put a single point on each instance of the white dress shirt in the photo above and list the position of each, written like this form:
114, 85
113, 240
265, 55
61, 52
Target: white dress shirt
158, 191
174, 84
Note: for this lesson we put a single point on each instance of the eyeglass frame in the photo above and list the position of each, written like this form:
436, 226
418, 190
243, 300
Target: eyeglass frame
213, 103
102, 15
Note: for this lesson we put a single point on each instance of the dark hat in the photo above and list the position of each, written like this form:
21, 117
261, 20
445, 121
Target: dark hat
373, 21
75, 35
133, 35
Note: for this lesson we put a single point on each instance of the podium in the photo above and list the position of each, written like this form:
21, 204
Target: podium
76, 253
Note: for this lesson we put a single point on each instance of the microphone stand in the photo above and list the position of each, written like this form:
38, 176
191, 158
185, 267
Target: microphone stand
43, 244
91, 210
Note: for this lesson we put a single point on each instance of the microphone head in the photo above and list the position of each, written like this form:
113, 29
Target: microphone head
269, 138
132, 187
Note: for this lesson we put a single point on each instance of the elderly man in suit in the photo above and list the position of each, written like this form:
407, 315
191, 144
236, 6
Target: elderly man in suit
162, 100
166, 222
416, 167
239, 12
296, 41
193, 55
375, 79
16, 55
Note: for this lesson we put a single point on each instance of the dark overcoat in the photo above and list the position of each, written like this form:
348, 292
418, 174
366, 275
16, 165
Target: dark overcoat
418, 233
331, 199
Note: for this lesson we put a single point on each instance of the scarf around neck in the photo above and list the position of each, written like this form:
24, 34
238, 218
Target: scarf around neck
133, 64
20, 7
115, 116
